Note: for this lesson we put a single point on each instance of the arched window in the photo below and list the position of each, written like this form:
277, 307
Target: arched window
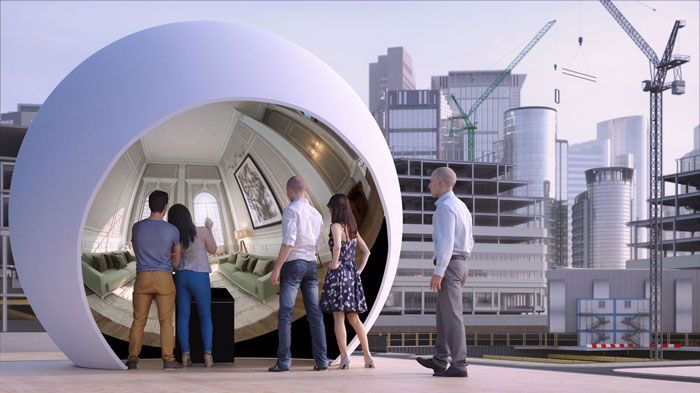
205, 205
146, 210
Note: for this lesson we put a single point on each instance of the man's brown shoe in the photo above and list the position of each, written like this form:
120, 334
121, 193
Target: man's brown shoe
171, 365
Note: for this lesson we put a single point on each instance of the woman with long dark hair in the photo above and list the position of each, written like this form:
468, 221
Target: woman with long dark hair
192, 280
343, 294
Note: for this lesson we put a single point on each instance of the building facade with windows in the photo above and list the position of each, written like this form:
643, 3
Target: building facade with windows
417, 123
506, 281
392, 71
681, 217
620, 142
538, 157
467, 87
22, 117
16, 313
600, 234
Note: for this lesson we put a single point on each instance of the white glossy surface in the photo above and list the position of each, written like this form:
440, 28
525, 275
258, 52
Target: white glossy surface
114, 98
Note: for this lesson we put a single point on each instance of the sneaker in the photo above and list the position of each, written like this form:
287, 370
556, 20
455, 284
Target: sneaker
431, 363
131, 364
171, 365
276, 369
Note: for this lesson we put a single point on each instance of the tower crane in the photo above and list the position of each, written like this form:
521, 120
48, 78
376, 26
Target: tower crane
470, 126
655, 86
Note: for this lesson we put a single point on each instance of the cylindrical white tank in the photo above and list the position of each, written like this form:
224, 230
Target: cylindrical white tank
610, 193
530, 144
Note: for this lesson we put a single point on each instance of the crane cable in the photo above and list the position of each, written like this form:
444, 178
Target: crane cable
569, 70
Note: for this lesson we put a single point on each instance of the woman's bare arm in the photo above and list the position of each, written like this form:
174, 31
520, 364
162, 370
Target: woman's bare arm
337, 231
207, 236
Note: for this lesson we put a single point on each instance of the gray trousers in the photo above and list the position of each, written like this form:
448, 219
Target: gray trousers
451, 339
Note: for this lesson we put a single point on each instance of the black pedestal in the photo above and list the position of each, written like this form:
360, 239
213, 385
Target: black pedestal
222, 316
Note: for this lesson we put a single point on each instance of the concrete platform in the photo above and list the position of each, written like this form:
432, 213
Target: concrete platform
688, 371
392, 374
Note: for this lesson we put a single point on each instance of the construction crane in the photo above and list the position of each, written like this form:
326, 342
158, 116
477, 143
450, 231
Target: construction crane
655, 86
470, 126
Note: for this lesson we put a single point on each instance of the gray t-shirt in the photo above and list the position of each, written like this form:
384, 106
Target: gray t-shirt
153, 242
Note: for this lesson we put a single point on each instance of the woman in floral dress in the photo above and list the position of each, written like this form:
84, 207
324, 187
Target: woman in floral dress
342, 291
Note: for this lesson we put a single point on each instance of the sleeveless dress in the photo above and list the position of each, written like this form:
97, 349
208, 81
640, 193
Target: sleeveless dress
342, 290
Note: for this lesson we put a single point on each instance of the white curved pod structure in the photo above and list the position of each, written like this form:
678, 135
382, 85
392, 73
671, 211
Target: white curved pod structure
117, 96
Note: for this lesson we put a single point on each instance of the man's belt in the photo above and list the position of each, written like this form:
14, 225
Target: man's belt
455, 257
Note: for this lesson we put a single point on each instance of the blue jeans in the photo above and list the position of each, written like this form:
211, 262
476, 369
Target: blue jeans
295, 274
188, 285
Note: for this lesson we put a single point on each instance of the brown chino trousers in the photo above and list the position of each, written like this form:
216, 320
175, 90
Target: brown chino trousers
150, 286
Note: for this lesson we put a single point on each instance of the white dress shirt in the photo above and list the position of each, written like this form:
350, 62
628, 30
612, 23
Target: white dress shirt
301, 229
452, 231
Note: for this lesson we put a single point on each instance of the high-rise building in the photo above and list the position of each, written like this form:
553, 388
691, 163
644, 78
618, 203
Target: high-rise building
620, 142
22, 118
681, 217
582, 157
581, 231
508, 262
562, 253
600, 234
467, 87
530, 145
416, 122
539, 158
628, 148
393, 71
561, 165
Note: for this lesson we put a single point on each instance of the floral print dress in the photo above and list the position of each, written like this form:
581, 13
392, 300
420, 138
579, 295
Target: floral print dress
342, 290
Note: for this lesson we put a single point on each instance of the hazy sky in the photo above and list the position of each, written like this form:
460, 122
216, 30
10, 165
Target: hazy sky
41, 42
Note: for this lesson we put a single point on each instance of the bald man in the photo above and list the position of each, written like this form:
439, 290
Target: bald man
453, 242
296, 268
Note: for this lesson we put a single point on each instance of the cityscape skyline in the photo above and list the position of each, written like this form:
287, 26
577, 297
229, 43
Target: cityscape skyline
546, 279
33, 61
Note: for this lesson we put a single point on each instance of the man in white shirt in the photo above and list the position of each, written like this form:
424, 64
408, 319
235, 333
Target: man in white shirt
453, 242
296, 267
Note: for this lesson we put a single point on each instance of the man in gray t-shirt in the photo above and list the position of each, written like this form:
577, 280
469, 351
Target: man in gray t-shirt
153, 241
157, 247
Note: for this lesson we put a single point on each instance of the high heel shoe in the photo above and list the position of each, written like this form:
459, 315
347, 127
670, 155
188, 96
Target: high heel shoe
208, 359
369, 363
186, 360
345, 363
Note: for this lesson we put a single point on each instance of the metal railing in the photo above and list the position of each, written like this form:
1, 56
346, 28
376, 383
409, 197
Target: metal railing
408, 342
687, 164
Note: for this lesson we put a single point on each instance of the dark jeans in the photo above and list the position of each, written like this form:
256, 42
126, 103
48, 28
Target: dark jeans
191, 285
295, 274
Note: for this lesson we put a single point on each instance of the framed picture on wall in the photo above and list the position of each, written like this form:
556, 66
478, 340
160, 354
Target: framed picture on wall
261, 203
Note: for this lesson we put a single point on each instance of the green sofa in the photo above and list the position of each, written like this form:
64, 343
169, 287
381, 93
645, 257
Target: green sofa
252, 276
104, 281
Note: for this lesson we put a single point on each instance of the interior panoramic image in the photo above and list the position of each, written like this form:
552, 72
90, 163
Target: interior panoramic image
229, 162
